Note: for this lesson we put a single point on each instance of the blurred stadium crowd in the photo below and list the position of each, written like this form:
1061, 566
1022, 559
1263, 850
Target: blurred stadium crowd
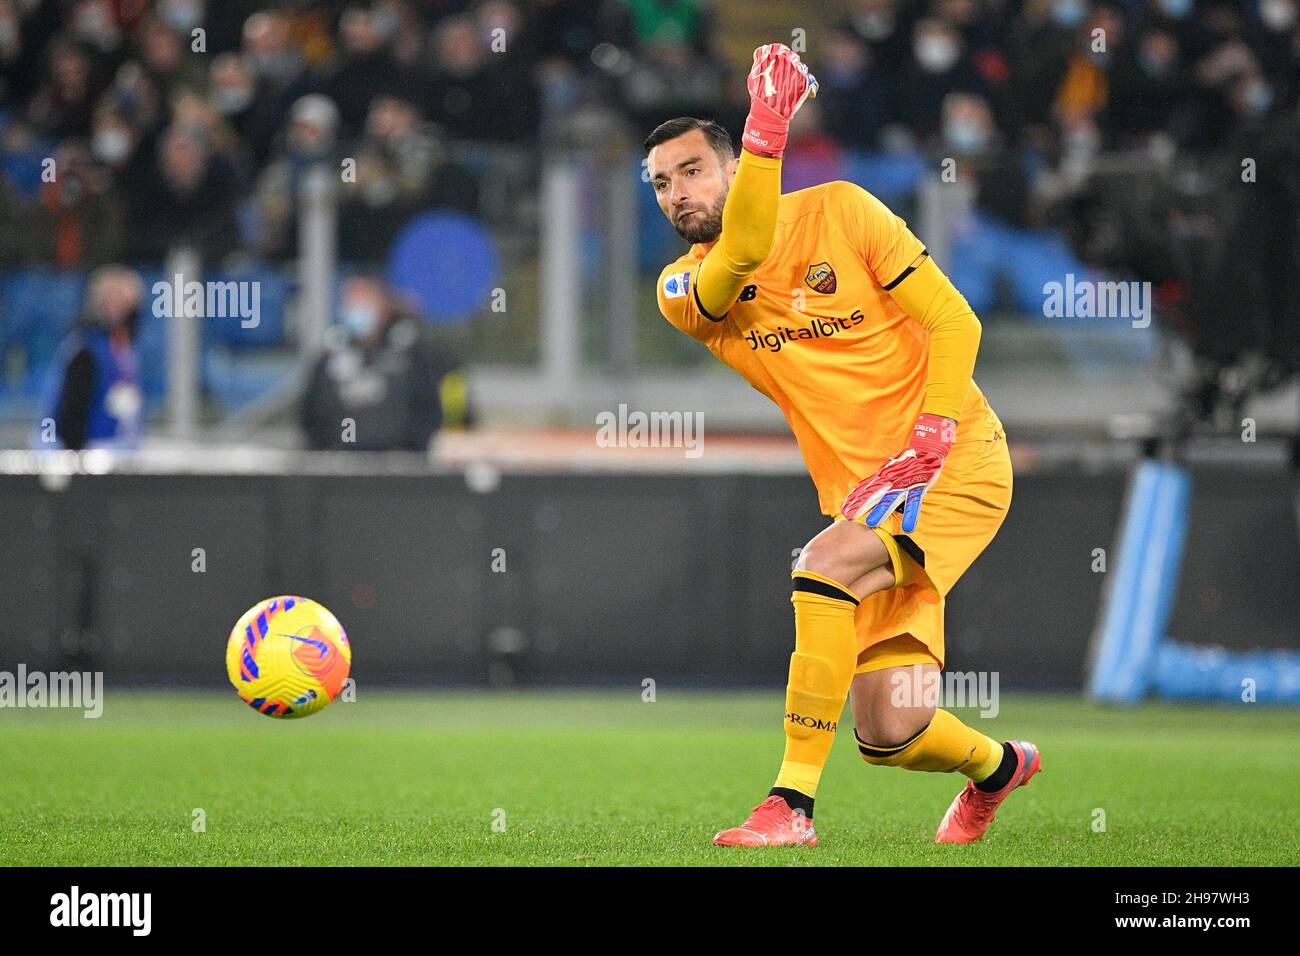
192, 122
155, 143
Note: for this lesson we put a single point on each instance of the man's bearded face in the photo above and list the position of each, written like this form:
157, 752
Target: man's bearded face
690, 182
700, 224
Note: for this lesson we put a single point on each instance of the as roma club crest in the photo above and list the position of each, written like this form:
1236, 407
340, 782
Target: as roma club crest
821, 278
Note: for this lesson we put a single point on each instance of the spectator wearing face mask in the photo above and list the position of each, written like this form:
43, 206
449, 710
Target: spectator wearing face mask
164, 52
1229, 79
1251, 285
138, 99
114, 139
64, 104
1151, 93
1084, 90
1179, 18
885, 27
183, 16
1252, 98
971, 137
279, 79
95, 400
668, 77
1040, 42
939, 66
469, 94
230, 96
382, 385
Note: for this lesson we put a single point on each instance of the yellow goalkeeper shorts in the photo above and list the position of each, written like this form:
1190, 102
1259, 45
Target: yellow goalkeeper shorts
959, 516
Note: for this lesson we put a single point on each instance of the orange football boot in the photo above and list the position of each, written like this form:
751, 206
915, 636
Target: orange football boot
972, 811
772, 823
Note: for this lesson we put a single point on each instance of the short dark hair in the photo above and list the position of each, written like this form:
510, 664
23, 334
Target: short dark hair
713, 131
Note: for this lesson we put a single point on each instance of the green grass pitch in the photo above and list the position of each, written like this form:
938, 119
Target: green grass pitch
604, 778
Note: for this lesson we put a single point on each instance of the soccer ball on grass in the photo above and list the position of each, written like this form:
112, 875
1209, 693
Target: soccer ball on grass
288, 657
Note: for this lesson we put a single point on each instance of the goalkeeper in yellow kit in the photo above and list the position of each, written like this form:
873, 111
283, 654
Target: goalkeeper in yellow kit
825, 302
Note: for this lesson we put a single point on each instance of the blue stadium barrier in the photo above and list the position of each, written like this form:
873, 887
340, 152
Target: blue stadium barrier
1266, 676
151, 340
273, 289
1036, 258
232, 370
991, 252
23, 169
1140, 593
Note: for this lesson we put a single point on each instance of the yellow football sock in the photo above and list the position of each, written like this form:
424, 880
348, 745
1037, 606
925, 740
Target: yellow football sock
821, 670
944, 745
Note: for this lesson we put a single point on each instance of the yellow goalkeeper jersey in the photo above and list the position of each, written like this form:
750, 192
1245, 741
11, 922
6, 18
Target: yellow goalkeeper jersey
816, 331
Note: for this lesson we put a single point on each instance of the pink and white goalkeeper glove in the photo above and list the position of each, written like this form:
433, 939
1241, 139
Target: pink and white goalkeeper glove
905, 477
778, 85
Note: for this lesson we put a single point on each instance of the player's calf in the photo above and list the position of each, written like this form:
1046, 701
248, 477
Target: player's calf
885, 712
892, 730
898, 728
821, 669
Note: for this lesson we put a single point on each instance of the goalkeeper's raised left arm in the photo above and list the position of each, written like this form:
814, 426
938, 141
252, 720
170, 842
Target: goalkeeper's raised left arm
778, 84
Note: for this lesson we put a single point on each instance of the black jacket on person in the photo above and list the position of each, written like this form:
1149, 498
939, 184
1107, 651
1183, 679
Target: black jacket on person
384, 398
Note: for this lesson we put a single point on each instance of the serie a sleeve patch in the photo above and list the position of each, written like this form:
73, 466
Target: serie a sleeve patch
677, 285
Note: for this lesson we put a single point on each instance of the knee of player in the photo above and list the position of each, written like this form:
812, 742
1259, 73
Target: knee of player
823, 556
811, 558
850, 555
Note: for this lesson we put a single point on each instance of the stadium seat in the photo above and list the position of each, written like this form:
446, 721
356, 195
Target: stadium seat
38, 308
273, 290
890, 177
